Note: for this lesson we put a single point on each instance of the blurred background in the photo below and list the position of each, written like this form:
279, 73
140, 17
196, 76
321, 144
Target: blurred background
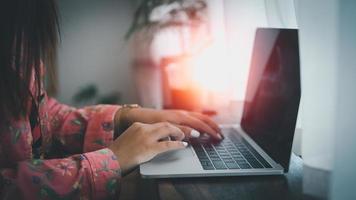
96, 48
195, 55
192, 54
185, 54
93, 50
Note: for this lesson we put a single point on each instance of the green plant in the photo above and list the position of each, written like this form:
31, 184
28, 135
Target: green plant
141, 19
90, 95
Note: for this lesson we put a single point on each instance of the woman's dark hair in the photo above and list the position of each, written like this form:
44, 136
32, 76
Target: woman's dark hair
29, 31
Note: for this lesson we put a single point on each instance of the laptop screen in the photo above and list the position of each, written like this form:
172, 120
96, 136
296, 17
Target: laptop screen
273, 92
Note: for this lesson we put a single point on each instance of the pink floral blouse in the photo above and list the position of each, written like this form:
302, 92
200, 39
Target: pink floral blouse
76, 162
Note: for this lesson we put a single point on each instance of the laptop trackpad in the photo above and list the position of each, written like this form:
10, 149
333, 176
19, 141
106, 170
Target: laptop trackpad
167, 157
172, 162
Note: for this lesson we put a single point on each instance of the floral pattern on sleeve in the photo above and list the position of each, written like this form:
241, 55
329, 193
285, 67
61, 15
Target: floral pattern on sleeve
93, 175
77, 164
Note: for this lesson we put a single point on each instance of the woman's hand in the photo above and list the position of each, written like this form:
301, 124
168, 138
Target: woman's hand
141, 142
186, 121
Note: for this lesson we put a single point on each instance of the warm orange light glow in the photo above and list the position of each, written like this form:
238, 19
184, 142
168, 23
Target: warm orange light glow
210, 70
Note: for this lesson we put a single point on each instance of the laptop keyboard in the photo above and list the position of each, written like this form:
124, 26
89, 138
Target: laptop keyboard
232, 153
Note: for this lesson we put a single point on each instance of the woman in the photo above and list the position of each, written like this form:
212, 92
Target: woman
52, 151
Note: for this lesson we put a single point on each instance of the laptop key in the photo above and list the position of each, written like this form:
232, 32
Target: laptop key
237, 156
241, 162
204, 163
244, 166
208, 167
251, 159
228, 159
202, 156
232, 165
219, 165
215, 156
256, 164
215, 159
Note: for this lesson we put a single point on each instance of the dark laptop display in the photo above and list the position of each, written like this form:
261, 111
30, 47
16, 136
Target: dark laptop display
273, 92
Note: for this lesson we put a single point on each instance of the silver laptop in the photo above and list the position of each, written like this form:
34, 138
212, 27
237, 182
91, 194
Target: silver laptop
262, 143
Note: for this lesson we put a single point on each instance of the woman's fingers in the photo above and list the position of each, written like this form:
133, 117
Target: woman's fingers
201, 126
207, 120
165, 130
189, 132
170, 145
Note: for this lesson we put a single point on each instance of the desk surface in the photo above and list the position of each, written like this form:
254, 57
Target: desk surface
288, 186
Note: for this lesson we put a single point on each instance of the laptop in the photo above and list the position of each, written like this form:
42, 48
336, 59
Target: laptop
261, 144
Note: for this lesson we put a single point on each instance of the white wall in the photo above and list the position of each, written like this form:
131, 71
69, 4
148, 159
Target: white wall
242, 19
318, 48
328, 47
93, 49
318, 44
344, 174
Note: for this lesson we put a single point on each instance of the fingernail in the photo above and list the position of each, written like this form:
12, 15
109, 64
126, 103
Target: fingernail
185, 144
194, 134
219, 136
